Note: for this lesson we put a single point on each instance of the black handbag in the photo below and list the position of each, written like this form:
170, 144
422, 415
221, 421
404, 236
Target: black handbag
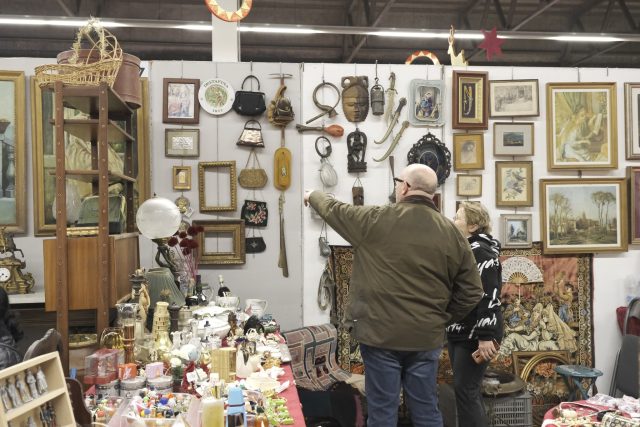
254, 213
254, 245
249, 103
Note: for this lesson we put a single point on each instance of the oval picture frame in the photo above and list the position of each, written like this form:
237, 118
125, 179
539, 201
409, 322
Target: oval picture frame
216, 96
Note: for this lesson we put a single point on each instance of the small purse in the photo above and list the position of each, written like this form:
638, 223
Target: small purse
254, 245
253, 177
249, 103
254, 213
251, 135
323, 241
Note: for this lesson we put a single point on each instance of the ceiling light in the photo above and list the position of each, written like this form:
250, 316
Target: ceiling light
594, 39
278, 30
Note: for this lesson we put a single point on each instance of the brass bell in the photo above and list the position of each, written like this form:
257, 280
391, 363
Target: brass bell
377, 100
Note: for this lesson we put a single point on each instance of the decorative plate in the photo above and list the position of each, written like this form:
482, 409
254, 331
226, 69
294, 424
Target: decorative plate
430, 151
216, 96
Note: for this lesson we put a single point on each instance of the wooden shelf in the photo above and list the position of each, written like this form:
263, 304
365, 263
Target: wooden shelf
87, 130
85, 99
92, 175
56, 394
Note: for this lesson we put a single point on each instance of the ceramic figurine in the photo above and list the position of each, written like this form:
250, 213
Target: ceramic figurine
41, 382
31, 422
4, 396
31, 382
13, 394
22, 389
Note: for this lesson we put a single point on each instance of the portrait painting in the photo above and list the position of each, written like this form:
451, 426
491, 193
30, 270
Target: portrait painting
584, 215
426, 101
581, 126
516, 230
513, 139
12, 152
468, 151
632, 120
182, 177
513, 98
470, 100
514, 184
180, 101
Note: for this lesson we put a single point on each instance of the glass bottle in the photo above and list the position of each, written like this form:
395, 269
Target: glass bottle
200, 296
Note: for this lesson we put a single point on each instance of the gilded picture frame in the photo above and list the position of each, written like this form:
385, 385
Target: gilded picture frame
513, 139
632, 120
583, 215
470, 100
182, 142
225, 174
514, 98
514, 184
43, 156
180, 101
13, 190
182, 178
633, 175
469, 185
516, 230
582, 126
209, 242
468, 151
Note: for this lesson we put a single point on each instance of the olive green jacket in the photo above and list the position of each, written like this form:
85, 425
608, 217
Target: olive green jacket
413, 271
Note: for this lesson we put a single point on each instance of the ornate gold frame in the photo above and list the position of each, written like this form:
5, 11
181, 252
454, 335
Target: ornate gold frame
235, 228
186, 185
233, 185
20, 189
459, 140
141, 187
501, 199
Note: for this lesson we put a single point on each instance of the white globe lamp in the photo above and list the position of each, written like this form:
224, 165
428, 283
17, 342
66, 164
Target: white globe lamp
158, 218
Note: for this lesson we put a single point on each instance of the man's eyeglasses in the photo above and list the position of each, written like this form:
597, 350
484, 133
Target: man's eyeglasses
401, 181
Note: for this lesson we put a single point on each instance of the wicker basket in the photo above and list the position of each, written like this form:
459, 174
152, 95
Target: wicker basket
80, 71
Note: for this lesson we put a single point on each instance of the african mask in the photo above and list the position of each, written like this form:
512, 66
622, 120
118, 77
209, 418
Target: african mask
355, 98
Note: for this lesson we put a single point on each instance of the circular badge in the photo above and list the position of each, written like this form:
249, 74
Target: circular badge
216, 96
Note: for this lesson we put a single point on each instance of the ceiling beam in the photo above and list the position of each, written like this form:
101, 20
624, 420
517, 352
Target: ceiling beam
65, 8
374, 24
607, 16
627, 15
500, 13
512, 12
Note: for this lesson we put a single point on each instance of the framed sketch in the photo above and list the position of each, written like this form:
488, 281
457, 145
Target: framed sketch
513, 98
583, 215
182, 177
470, 100
632, 119
13, 190
78, 157
469, 185
182, 142
514, 184
581, 126
516, 230
221, 242
427, 99
633, 174
513, 139
180, 101
217, 176
468, 151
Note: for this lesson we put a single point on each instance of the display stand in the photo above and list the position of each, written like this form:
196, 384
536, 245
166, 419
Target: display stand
56, 392
107, 113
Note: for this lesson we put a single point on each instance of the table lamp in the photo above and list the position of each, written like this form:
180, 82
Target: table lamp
158, 219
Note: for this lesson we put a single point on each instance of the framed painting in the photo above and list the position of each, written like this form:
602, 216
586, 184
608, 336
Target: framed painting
581, 126
633, 174
513, 98
13, 190
583, 215
182, 177
427, 99
468, 151
516, 230
180, 101
221, 242
217, 175
469, 185
514, 184
470, 100
78, 156
632, 120
513, 139
182, 142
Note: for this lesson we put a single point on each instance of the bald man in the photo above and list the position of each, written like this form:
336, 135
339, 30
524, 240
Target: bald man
413, 273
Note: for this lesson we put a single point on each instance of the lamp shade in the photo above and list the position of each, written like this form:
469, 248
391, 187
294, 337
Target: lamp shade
158, 217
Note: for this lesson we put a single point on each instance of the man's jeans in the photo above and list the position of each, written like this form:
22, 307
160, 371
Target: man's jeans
386, 371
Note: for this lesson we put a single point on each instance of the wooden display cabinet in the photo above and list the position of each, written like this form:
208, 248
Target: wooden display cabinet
56, 393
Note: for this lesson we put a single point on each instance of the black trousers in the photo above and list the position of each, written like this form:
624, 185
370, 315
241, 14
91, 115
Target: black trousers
467, 383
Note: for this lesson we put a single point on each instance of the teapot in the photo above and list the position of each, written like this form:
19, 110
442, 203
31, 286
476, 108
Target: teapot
255, 307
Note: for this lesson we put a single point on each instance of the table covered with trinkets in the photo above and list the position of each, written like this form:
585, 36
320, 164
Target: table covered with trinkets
599, 410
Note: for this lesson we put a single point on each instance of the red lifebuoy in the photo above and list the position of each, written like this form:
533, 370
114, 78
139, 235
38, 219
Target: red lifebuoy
422, 53
225, 15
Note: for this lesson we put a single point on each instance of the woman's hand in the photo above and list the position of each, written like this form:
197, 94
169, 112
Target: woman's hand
487, 350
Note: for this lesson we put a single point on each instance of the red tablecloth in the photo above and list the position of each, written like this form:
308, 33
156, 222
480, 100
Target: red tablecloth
582, 407
291, 394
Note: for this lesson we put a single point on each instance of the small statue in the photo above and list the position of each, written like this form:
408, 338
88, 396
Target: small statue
357, 146
41, 382
31, 422
22, 389
4, 396
31, 382
13, 393
144, 301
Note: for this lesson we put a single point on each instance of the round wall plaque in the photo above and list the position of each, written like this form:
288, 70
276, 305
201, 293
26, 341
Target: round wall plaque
216, 96
430, 151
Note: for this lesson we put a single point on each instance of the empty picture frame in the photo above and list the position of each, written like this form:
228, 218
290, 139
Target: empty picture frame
469, 185
182, 142
513, 139
221, 242
217, 179
182, 177
516, 230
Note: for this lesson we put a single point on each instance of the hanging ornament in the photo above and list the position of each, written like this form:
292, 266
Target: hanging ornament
491, 43
225, 15
422, 54
357, 192
456, 59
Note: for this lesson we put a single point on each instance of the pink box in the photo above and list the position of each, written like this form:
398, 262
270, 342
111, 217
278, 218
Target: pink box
154, 370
